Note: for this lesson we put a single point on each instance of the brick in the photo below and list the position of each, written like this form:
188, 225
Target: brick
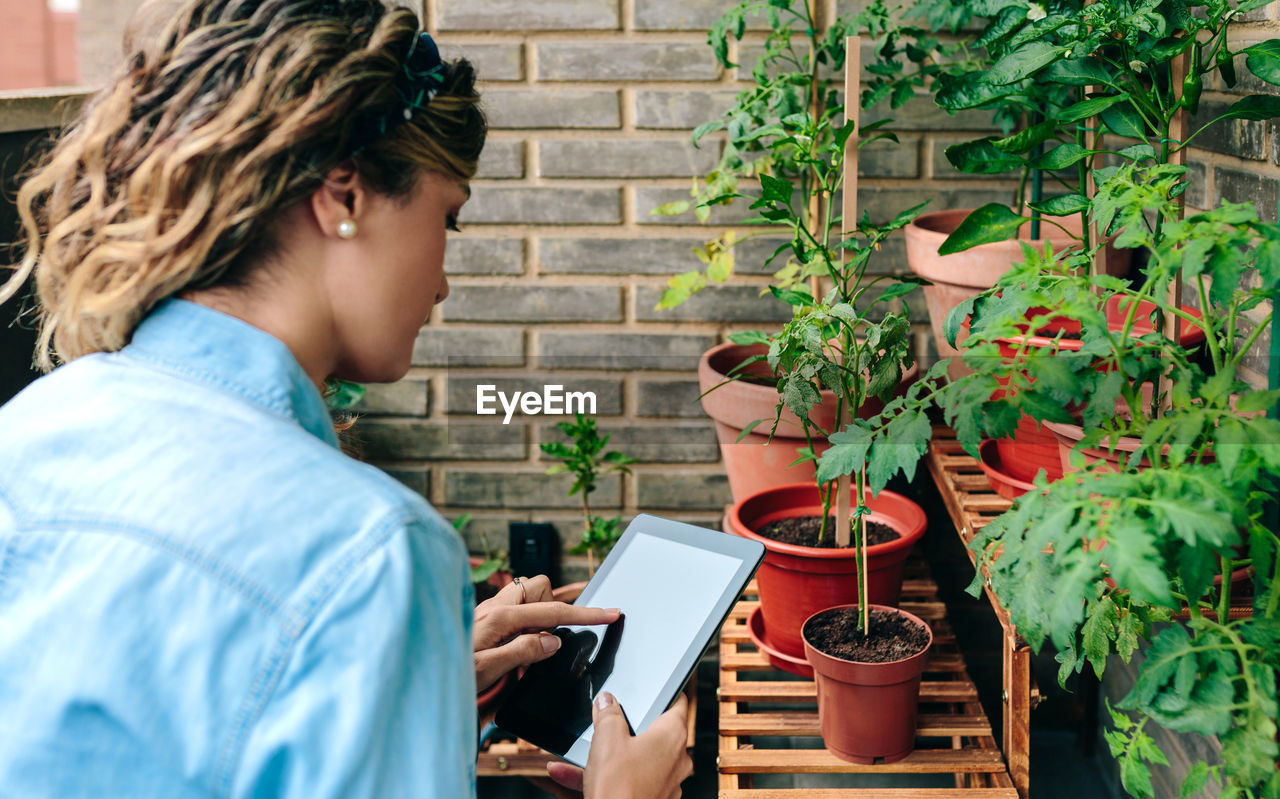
468, 346
885, 202
461, 391
553, 108
1247, 82
678, 15
623, 351
749, 54
609, 61
404, 398
667, 109
1196, 197
528, 303
650, 197
625, 159
521, 15
682, 491
543, 206
1239, 137
1247, 187
493, 61
416, 479
467, 488
723, 303
501, 159
685, 442
643, 256
1258, 359
666, 398
467, 255
421, 440
921, 113
887, 159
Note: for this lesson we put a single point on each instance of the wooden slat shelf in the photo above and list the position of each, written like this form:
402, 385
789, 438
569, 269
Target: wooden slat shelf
953, 734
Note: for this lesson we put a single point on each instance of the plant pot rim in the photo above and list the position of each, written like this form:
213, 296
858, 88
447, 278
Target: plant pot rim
1191, 335
1076, 433
814, 655
993, 466
704, 363
905, 539
787, 662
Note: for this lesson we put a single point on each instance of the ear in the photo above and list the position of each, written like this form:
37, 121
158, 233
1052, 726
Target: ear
342, 196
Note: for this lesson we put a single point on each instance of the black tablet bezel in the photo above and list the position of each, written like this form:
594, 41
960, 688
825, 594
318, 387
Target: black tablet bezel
542, 731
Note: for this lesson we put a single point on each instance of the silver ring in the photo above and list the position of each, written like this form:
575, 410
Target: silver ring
523, 594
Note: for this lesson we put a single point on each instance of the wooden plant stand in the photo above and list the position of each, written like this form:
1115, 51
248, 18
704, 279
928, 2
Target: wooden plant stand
771, 726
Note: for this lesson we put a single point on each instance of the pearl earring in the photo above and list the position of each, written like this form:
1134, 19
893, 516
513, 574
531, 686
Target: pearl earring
347, 228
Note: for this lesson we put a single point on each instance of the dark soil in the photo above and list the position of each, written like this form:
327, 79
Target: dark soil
803, 531
893, 637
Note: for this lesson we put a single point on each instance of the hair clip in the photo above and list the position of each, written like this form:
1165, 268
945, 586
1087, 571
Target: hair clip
420, 80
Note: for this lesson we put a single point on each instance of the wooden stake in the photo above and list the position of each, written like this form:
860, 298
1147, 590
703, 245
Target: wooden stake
1177, 130
852, 70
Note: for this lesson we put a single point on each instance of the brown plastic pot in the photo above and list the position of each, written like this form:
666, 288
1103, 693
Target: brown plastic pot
959, 276
754, 462
867, 711
795, 582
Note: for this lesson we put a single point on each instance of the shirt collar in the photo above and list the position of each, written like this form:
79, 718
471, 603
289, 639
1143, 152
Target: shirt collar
211, 346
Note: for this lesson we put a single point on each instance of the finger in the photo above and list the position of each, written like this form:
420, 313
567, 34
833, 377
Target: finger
521, 651
675, 721
536, 589
606, 715
549, 786
565, 774
545, 615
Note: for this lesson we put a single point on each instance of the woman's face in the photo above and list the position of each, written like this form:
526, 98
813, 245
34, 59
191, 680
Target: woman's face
394, 277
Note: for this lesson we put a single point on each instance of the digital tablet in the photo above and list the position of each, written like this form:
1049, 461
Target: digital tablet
675, 584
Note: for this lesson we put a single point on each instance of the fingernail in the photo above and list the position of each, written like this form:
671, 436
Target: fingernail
550, 643
618, 611
604, 700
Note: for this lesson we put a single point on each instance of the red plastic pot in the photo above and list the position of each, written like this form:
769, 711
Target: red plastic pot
867, 711
957, 277
795, 582
755, 463
1004, 484
1034, 448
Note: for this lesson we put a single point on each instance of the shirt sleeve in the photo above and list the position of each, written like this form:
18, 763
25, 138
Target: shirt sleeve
376, 697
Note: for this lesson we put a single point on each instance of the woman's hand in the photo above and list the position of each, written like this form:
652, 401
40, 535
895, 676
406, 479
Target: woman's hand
510, 629
648, 766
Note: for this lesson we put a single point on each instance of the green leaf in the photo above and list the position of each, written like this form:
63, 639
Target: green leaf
1061, 157
342, 394
776, 189
1124, 120
486, 569
904, 443
1076, 72
705, 128
746, 431
981, 157
1263, 60
1197, 778
991, 222
1088, 108
1062, 205
970, 90
848, 453
1255, 106
1024, 140
895, 291
671, 209
1023, 62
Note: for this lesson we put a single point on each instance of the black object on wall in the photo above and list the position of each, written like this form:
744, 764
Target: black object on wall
17, 331
533, 550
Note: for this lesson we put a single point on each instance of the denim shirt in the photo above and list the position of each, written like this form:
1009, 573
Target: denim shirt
200, 595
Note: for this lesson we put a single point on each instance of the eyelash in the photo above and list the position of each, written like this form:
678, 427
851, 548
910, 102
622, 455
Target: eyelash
451, 223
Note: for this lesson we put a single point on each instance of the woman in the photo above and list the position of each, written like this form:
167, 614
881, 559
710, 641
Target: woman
199, 594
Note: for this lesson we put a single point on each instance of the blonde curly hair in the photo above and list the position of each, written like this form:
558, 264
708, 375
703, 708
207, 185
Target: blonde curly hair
226, 114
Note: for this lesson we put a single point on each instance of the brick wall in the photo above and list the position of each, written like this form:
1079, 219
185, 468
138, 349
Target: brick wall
560, 263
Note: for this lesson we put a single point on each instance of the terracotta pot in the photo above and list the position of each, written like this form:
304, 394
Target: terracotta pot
867, 711
756, 463
795, 582
1001, 481
962, 275
1033, 447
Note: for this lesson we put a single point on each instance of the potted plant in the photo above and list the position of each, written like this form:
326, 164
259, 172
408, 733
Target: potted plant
1141, 541
784, 127
1118, 61
585, 458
